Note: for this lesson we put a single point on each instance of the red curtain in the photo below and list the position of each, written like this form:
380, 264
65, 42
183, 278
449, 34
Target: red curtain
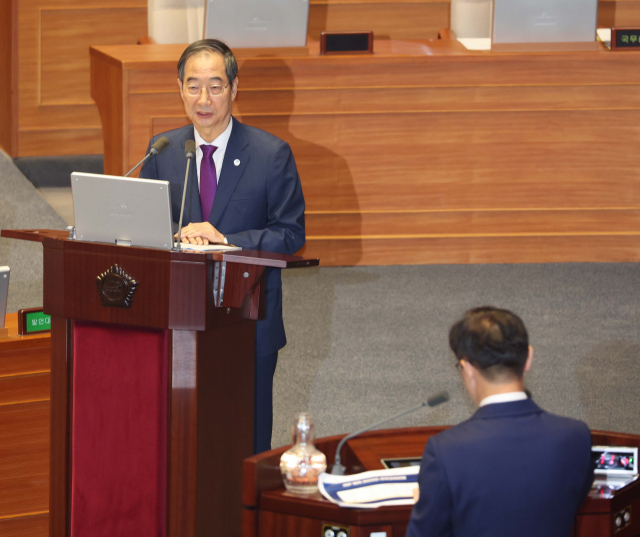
119, 431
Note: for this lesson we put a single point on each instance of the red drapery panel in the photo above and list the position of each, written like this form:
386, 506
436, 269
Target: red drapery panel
119, 431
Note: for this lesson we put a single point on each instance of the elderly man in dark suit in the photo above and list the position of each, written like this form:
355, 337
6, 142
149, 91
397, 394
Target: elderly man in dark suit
243, 190
512, 470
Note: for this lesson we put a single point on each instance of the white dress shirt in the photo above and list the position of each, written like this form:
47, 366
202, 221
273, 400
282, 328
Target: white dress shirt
218, 156
503, 398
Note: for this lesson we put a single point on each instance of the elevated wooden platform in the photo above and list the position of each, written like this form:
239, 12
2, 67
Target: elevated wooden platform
24, 433
424, 152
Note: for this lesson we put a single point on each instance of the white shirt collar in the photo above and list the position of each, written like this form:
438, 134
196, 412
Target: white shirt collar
220, 142
503, 398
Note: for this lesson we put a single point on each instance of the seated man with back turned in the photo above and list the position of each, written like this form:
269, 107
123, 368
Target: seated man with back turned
244, 189
512, 470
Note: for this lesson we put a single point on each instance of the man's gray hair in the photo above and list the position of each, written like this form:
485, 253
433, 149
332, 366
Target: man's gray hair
213, 46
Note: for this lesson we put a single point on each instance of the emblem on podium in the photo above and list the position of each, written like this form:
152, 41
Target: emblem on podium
116, 287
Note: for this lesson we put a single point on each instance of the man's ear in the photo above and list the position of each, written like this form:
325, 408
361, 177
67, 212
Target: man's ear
527, 364
469, 379
234, 88
180, 88
468, 371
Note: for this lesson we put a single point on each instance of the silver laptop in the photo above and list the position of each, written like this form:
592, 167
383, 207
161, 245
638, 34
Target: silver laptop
4, 293
257, 23
122, 210
544, 21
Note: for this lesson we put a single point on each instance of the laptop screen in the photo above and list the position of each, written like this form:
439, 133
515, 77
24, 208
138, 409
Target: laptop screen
122, 210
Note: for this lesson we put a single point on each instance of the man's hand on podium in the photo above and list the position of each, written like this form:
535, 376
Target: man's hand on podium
200, 233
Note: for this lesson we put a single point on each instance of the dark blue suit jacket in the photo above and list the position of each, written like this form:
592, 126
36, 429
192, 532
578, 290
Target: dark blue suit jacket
512, 470
258, 205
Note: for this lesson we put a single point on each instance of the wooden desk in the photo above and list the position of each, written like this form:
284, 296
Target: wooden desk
24, 432
423, 152
272, 512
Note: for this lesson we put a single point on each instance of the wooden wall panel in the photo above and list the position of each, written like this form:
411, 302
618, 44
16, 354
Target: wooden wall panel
489, 159
56, 113
433, 99
8, 76
60, 141
612, 248
408, 19
440, 223
31, 526
24, 459
108, 79
620, 13
6, 31
24, 433
65, 47
24, 389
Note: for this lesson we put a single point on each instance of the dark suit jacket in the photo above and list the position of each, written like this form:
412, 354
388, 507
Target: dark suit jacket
258, 205
512, 470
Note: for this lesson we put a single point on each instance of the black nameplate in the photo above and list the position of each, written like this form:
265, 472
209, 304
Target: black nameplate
346, 43
625, 39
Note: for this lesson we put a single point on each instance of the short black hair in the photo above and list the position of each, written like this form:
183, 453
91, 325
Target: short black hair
493, 340
214, 46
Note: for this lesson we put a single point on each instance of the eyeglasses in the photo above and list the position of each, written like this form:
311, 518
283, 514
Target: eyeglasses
194, 90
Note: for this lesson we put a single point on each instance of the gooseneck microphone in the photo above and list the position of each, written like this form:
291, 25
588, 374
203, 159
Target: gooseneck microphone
432, 401
189, 152
157, 148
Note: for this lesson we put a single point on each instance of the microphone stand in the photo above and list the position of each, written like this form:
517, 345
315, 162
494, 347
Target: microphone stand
151, 153
157, 148
190, 153
338, 468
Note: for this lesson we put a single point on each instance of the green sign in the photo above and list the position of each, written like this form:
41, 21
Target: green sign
38, 321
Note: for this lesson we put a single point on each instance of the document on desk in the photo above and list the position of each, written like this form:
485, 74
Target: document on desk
371, 489
208, 247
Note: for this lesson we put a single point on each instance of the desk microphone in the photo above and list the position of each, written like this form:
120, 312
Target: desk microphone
189, 152
157, 148
434, 400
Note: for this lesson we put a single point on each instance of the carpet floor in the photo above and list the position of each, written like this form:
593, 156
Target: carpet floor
367, 342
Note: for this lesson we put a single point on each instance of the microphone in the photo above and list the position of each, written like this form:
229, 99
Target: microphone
157, 148
189, 152
432, 401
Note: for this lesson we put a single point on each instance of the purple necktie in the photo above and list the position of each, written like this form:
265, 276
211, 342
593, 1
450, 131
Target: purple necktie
208, 180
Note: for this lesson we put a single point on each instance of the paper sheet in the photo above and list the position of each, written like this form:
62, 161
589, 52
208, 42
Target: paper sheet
604, 36
476, 43
208, 247
371, 489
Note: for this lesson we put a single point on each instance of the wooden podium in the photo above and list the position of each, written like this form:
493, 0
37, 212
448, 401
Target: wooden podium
152, 385
272, 512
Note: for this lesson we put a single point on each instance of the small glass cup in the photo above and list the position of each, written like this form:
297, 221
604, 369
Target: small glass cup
303, 463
